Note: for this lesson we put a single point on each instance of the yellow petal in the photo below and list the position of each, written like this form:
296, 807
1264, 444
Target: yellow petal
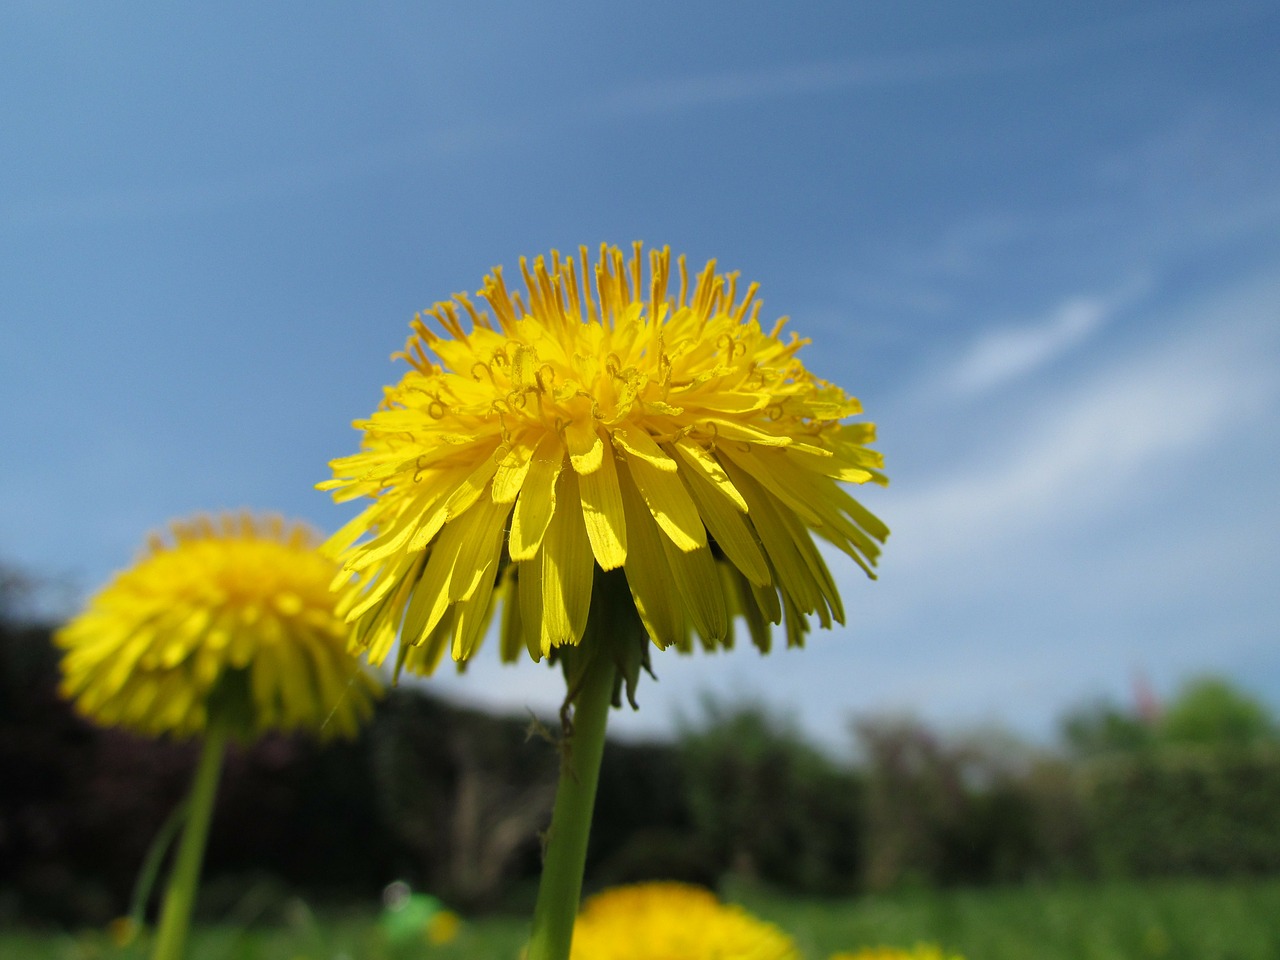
473, 620
705, 464
586, 449
423, 658
469, 489
537, 501
698, 584
348, 533
430, 598
790, 567
509, 476
737, 430
567, 571
479, 543
837, 466
648, 576
639, 445
669, 502
764, 469
602, 512
732, 531
511, 632
529, 594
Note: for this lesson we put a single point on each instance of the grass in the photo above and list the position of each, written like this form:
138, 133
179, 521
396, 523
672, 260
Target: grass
1179, 920
1160, 921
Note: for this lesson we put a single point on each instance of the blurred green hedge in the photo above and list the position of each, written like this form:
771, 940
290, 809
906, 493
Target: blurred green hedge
1186, 810
452, 799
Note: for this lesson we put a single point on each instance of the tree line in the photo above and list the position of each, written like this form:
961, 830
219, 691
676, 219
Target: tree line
452, 800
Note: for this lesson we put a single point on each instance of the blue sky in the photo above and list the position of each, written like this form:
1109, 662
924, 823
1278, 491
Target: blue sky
1040, 242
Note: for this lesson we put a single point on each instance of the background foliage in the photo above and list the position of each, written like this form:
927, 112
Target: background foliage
452, 800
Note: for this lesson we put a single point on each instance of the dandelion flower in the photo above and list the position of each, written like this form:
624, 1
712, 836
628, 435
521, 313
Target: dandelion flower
233, 616
673, 921
601, 434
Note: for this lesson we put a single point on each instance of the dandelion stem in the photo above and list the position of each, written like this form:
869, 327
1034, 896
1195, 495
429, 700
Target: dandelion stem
154, 862
180, 896
566, 856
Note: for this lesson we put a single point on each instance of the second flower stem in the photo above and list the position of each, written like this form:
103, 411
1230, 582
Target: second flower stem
566, 854
184, 879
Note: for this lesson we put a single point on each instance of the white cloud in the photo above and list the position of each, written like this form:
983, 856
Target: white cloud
1002, 356
1082, 452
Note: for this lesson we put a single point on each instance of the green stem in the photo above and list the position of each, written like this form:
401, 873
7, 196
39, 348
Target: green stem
180, 896
155, 860
566, 856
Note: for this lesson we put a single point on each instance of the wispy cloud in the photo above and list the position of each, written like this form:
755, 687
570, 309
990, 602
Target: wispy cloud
695, 91
1078, 453
1000, 357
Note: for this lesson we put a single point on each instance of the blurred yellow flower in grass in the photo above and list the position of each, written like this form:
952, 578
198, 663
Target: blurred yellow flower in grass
600, 423
232, 614
443, 928
921, 951
122, 931
227, 629
673, 921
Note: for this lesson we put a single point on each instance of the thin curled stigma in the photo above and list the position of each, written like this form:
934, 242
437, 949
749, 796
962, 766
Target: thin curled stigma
731, 345
549, 384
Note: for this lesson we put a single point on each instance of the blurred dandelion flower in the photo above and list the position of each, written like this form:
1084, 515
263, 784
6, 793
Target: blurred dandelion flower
673, 921
227, 630
443, 928
122, 931
602, 427
235, 615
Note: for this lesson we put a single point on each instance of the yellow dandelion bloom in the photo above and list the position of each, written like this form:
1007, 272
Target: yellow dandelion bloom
599, 427
443, 928
233, 616
673, 921
122, 931
921, 951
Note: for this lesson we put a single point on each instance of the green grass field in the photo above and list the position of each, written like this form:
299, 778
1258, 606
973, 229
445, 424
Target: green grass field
1174, 920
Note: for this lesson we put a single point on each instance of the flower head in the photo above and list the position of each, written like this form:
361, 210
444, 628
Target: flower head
601, 433
232, 617
673, 921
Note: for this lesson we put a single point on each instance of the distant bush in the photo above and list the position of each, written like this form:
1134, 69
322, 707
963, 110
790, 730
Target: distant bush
1207, 811
770, 805
462, 795
1192, 787
973, 810
643, 828
1212, 712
